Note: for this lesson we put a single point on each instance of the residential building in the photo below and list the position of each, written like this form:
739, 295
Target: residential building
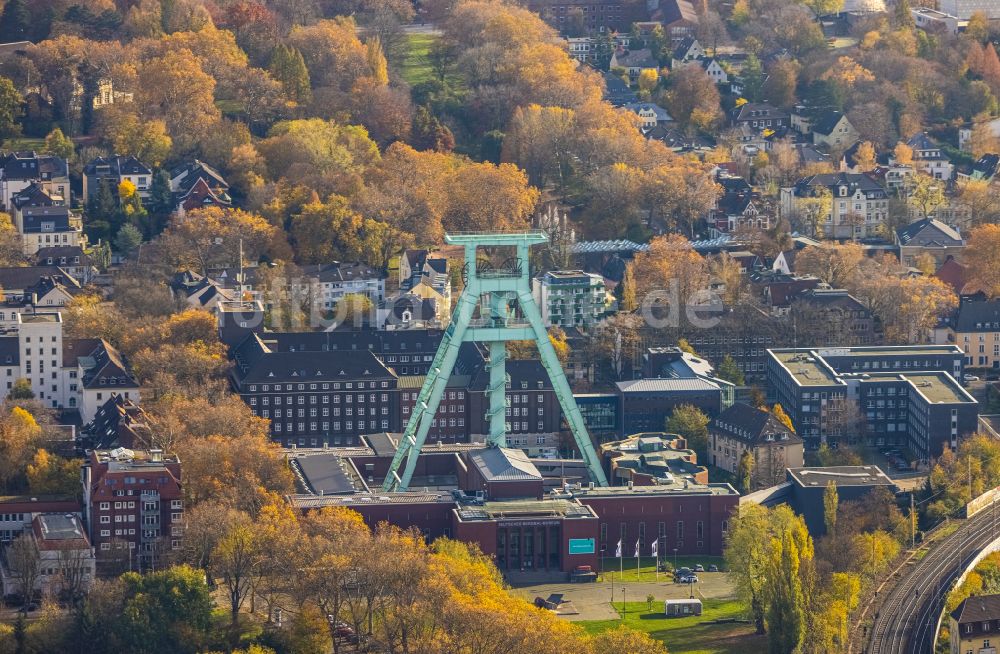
929, 158
416, 266
71, 258
113, 170
650, 114
687, 50
617, 92
839, 312
975, 327
18, 170
133, 500
928, 236
743, 428
65, 560
32, 195
678, 18
759, 116
974, 625
859, 204
634, 62
739, 207
833, 130
714, 70
119, 422
42, 227
570, 298
894, 395
330, 282
196, 185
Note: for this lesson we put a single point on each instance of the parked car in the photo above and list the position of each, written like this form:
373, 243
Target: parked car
699, 568
690, 579
970, 378
713, 568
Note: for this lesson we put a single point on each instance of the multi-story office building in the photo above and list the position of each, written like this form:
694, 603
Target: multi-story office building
903, 395
570, 298
133, 504
312, 398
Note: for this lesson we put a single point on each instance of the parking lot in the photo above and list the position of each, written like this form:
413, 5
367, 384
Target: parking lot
593, 601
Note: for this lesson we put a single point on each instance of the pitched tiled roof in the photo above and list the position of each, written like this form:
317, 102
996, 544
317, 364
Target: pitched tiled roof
977, 609
827, 122
930, 232
752, 425
117, 166
256, 362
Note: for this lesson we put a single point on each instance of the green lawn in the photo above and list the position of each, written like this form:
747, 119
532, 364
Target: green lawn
691, 635
647, 568
415, 67
24, 143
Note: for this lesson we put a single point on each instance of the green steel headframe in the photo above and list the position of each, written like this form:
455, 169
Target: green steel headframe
498, 292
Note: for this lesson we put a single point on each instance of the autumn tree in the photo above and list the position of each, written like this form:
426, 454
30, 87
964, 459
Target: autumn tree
670, 261
10, 108
690, 422
59, 144
926, 195
178, 91
744, 472
692, 97
20, 435
289, 68
729, 371
980, 257
212, 236
864, 156
979, 201
833, 264
779, 414
903, 154
624, 640
49, 474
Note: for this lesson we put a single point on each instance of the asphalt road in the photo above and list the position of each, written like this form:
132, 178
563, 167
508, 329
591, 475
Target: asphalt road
907, 618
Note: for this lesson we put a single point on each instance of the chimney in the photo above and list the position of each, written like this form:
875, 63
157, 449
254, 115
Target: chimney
156, 455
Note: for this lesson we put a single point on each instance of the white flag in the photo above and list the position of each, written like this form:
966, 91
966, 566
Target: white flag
618, 552
637, 548
656, 547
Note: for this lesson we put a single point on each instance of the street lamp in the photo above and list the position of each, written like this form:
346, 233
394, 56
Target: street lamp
675, 560
623, 602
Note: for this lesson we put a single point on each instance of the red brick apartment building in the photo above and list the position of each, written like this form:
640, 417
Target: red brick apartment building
133, 502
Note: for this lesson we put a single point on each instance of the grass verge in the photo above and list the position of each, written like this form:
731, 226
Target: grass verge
693, 634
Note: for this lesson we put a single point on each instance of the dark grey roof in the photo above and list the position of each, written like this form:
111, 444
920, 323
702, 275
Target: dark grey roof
529, 371
116, 166
340, 272
189, 173
929, 232
17, 279
324, 474
920, 141
59, 252
977, 316
616, 91
830, 298
986, 166
33, 195
682, 50
641, 58
976, 610
104, 366
256, 362
29, 165
504, 464
757, 111
752, 425
119, 422
33, 218
827, 122
854, 182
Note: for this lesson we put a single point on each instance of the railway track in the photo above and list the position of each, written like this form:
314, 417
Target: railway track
906, 623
